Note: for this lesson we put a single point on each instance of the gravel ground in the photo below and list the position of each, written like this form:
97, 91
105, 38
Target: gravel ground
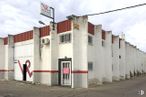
126, 88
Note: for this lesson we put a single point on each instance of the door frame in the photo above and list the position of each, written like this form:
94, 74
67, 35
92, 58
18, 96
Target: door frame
59, 69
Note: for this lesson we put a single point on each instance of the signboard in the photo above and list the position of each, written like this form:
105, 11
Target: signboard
76, 26
45, 10
66, 70
48, 12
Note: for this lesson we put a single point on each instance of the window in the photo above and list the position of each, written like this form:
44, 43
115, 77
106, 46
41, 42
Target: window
119, 43
119, 56
64, 38
90, 66
90, 40
67, 37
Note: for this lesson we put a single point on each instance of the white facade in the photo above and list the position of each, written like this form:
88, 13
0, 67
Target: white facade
115, 58
76, 54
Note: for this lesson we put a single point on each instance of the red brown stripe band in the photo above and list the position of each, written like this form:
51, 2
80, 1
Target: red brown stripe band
80, 71
4, 70
51, 71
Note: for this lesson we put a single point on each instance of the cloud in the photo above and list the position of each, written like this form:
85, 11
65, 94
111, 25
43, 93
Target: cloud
21, 15
136, 35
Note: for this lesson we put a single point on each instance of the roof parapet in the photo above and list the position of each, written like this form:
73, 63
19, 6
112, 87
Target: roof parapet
70, 17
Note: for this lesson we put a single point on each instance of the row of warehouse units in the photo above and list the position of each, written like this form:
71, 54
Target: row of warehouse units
76, 54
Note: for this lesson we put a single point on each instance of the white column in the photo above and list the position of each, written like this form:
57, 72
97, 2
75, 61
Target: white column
108, 57
9, 66
98, 66
122, 59
54, 54
115, 58
2, 58
36, 54
79, 62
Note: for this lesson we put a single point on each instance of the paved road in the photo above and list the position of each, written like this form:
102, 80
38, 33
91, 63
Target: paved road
127, 88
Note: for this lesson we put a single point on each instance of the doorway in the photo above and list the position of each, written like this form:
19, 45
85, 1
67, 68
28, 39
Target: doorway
65, 72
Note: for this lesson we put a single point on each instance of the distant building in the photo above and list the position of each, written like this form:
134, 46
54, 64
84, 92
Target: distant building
75, 54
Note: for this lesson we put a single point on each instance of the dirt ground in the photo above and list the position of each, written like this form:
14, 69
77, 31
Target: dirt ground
126, 88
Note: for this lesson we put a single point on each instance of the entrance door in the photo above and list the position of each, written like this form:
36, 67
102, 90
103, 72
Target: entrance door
65, 73
24, 72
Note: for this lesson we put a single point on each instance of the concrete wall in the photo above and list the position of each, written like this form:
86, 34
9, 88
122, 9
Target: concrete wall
80, 43
45, 63
99, 55
115, 58
108, 57
23, 53
9, 58
128, 66
109, 61
54, 49
91, 57
122, 59
36, 55
2, 59
95, 55
65, 49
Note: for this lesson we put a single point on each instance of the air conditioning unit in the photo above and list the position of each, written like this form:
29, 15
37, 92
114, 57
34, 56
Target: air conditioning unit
45, 41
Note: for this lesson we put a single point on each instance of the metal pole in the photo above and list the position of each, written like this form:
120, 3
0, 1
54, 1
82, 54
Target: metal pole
53, 17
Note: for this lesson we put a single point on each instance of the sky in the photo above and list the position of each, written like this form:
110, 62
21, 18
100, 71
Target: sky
17, 16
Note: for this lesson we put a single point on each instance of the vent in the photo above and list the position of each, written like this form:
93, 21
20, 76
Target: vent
45, 41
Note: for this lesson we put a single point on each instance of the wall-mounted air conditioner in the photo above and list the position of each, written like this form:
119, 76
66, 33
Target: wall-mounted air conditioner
45, 41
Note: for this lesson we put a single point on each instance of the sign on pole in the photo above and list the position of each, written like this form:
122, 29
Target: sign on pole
45, 10
48, 12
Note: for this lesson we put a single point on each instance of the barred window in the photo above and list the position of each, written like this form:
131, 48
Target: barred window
90, 66
64, 38
90, 40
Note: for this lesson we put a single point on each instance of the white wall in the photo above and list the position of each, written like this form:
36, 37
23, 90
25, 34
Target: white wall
99, 55
80, 42
23, 52
108, 57
115, 58
6, 61
122, 59
2, 58
65, 49
95, 55
91, 57
46, 57
128, 67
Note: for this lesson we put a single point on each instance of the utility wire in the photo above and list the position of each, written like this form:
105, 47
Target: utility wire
129, 7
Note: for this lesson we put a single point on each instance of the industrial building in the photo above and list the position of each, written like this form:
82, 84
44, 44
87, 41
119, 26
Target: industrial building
76, 54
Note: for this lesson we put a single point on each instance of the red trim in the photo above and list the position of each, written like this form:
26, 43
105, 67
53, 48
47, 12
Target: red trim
20, 66
28, 66
27, 69
64, 26
4, 70
51, 71
79, 71
23, 36
113, 37
5, 40
44, 31
90, 28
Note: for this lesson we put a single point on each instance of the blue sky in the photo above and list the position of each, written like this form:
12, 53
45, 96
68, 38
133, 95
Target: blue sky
17, 16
